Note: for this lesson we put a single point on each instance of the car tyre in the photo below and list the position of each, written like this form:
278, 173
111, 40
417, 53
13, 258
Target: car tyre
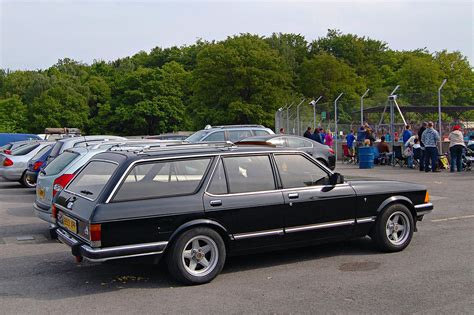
25, 182
197, 256
393, 228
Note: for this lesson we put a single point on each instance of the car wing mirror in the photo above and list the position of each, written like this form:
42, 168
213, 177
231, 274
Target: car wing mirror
335, 179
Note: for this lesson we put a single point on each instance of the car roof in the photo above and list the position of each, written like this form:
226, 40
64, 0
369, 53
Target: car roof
88, 138
189, 150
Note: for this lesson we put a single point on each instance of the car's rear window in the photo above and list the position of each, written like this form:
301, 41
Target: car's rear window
40, 153
163, 179
25, 149
57, 165
92, 179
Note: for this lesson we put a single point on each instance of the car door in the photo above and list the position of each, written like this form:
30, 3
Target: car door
314, 209
242, 196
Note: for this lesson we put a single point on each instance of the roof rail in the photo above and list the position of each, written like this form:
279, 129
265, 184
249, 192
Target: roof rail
186, 145
238, 126
140, 144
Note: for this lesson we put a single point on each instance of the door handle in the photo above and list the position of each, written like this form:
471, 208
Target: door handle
215, 203
293, 195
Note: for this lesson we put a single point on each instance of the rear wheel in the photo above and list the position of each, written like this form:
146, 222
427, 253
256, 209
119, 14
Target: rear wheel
26, 182
197, 256
394, 228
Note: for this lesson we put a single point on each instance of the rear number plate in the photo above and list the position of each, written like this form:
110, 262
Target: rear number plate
70, 223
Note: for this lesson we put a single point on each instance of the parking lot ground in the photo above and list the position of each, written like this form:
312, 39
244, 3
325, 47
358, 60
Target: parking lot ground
435, 274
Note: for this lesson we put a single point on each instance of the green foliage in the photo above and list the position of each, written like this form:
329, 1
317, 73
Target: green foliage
242, 79
12, 115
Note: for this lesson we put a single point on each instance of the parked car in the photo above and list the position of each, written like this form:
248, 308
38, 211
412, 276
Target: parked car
13, 137
13, 166
232, 133
320, 152
62, 169
35, 165
196, 205
9, 147
182, 135
74, 142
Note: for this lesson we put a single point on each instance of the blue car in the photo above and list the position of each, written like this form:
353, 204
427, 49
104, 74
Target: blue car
36, 164
6, 138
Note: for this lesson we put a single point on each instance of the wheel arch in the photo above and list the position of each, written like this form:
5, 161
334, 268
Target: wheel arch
219, 228
401, 200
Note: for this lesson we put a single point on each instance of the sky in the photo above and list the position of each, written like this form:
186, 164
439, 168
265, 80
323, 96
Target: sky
35, 34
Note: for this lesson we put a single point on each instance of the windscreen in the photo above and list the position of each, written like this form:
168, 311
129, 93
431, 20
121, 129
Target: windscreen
57, 165
25, 149
92, 179
197, 136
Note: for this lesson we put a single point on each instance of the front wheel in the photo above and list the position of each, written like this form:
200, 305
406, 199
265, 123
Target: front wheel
394, 228
197, 256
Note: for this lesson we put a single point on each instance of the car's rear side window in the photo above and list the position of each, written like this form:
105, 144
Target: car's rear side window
163, 179
215, 136
92, 179
236, 135
57, 165
261, 132
56, 149
40, 153
25, 149
297, 171
249, 173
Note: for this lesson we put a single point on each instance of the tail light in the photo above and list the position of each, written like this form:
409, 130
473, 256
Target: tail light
54, 212
95, 234
37, 165
7, 162
7, 151
331, 151
61, 182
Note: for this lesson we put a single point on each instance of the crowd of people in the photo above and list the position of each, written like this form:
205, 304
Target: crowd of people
421, 145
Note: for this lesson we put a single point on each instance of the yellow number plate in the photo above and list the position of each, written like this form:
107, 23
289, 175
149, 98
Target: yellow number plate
40, 192
70, 224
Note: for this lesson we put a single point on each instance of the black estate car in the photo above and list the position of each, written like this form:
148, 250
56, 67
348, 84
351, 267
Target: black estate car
196, 204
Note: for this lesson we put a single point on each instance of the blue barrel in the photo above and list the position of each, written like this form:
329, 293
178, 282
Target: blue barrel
366, 157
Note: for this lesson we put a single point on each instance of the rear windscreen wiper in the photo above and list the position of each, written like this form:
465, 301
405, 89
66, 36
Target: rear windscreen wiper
86, 192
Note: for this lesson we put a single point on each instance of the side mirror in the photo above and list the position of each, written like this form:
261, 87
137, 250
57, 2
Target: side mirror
336, 178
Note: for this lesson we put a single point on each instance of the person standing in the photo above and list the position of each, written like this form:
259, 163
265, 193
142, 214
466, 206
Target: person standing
422, 146
323, 135
430, 139
328, 140
406, 134
317, 136
350, 142
307, 133
456, 147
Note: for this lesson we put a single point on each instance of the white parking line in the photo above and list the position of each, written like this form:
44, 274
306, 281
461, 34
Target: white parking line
454, 218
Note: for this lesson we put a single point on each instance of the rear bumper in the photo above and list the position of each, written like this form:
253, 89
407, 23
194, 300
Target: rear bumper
79, 249
423, 209
43, 213
11, 174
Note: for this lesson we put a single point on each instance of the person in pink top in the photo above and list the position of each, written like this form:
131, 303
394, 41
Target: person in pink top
328, 139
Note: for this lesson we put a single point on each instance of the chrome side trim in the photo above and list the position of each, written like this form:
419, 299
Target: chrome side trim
125, 256
241, 236
366, 219
318, 226
423, 212
424, 205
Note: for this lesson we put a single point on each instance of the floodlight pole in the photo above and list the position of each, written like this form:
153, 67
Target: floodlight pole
391, 99
313, 103
439, 117
335, 121
298, 116
288, 117
362, 107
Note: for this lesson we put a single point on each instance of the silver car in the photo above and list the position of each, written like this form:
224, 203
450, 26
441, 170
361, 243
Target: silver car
13, 166
57, 174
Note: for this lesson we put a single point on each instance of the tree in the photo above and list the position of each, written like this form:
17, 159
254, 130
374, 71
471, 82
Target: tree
239, 80
12, 115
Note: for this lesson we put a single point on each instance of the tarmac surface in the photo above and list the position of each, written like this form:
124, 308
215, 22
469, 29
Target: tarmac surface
435, 274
